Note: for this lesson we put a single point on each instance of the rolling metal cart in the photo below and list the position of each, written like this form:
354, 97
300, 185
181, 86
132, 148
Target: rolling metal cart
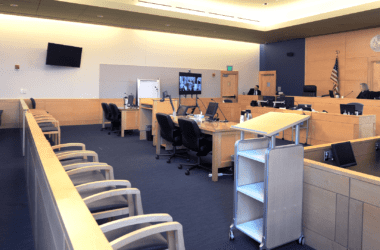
269, 181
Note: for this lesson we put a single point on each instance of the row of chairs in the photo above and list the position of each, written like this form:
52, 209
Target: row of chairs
112, 114
107, 198
48, 124
188, 134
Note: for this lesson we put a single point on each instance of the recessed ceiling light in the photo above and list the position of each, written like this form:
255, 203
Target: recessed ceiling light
100, 16
14, 5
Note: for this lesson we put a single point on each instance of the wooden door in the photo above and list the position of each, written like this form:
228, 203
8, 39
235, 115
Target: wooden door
267, 82
229, 85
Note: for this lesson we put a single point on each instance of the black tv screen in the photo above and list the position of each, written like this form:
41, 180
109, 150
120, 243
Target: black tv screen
63, 55
343, 154
190, 83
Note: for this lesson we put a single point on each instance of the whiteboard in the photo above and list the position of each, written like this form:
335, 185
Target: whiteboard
147, 88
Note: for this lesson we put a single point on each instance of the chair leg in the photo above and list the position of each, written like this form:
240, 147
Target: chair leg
172, 155
193, 166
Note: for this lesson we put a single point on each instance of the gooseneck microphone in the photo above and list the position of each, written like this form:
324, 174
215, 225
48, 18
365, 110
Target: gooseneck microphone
349, 93
225, 119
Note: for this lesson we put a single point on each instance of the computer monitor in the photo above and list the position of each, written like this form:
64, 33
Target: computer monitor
343, 154
269, 100
130, 100
182, 110
306, 107
280, 99
289, 102
349, 109
211, 110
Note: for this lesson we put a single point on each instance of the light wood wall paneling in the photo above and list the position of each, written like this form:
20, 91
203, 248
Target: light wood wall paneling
331, 182
341, 222
354, 60
318, 241
319, 216
11, 113
371, 228
355, 227
366, 192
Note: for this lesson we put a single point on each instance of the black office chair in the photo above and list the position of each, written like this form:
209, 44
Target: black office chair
309, 90
115, 118
193, 139
33, 103
170, 133
107, 112
227, 101
358, 107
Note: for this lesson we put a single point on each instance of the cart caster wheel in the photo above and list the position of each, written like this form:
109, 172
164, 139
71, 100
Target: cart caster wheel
232, 237
187, 172
301, 240
180, 166
157, 157
168, 161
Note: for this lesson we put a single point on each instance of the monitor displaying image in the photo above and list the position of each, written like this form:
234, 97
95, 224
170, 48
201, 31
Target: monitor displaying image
190, 83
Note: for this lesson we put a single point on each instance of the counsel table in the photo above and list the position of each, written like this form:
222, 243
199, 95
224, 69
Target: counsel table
223, 141
129, 119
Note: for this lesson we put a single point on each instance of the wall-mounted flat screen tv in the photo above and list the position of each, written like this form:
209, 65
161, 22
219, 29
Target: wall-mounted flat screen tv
63, 55
190, 83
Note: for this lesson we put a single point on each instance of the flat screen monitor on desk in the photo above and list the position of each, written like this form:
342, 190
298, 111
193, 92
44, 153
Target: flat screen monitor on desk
182, 110
211, 110
343, 154
306, 107
269, 100
289, 102
348, 109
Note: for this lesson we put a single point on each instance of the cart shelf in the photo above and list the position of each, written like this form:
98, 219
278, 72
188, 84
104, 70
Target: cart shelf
257, 154
255, 191
253, 228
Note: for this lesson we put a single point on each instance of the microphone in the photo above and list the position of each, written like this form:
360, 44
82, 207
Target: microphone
163, 96
349, 93
225, 119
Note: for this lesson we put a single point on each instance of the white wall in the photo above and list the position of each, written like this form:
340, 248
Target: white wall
24, 40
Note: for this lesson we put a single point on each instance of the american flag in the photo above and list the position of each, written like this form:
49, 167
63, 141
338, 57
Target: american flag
334, 77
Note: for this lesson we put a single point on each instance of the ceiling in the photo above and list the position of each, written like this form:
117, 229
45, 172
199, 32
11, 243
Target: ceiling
255, 21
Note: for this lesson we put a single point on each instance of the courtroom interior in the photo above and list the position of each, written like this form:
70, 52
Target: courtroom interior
172, 124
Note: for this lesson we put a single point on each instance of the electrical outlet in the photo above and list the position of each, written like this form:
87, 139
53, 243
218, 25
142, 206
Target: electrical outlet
327, 155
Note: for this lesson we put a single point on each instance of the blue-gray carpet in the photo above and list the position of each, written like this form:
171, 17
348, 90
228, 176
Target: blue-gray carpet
15, 226
203, 207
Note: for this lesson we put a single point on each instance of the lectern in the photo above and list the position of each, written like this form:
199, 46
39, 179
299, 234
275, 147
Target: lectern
269, 181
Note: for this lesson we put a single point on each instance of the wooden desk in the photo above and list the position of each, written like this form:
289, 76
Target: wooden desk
327, 127
149, 107
223, 141
129, 119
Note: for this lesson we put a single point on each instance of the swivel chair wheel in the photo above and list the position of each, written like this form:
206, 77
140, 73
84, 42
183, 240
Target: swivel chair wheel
157, 157
187, 172
180, 166
168, 161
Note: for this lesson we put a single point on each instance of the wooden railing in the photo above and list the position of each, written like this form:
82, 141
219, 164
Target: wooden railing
60, 219
22, 111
